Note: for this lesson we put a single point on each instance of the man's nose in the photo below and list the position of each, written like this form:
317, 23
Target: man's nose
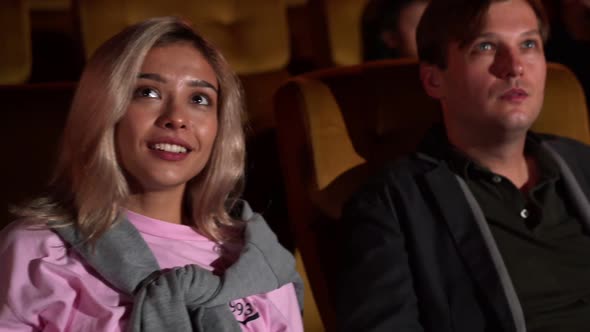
507, 63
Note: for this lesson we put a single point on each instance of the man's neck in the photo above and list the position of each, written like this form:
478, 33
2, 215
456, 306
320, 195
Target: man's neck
502, 155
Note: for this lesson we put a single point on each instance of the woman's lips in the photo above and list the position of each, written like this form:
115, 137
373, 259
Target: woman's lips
169, 156
164, 140
169, 148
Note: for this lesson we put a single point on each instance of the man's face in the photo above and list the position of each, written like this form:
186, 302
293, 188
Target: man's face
496, 83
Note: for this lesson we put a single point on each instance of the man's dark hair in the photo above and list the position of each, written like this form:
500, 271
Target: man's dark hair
447, 21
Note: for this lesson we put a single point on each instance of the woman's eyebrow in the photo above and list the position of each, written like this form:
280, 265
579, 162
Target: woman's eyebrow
202, 83
192, 83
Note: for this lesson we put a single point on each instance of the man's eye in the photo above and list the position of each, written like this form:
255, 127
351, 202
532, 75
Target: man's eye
146, 93
201, 100
529, 43
485, 47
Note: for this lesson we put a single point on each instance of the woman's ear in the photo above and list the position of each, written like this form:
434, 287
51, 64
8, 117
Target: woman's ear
432, 80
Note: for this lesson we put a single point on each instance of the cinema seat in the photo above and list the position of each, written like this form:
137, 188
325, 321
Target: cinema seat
15, 41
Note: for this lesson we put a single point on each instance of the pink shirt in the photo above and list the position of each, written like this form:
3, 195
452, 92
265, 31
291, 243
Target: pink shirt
44, 287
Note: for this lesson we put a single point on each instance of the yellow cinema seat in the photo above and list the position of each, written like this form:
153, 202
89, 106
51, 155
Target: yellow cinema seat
338, 27
15, 42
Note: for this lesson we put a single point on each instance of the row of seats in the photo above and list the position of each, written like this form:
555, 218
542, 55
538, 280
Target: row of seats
253, 35
256, 36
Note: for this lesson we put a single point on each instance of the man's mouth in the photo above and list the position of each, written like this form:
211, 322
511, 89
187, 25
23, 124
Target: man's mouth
514, 95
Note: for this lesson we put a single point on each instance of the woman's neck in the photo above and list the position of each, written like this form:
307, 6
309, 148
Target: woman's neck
161, 205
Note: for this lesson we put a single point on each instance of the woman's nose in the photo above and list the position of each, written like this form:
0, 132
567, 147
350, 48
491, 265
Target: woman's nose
173, 117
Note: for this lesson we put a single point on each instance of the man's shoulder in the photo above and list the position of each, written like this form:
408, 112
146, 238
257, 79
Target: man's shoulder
409, 166
562, 142
570, 149
397, 175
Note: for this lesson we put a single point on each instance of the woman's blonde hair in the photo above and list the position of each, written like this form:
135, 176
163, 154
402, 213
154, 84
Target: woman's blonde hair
89, 186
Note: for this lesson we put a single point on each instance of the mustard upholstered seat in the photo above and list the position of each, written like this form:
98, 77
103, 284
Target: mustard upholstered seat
564, 109
311, 317
251, 35
338, 27
15, 42
339, 125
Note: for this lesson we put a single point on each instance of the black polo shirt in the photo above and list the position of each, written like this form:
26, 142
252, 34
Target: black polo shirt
540, 237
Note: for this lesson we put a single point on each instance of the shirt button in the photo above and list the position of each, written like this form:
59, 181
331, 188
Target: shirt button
496, 179
524, 213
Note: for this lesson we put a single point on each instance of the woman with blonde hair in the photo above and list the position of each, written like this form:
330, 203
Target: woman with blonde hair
141, 228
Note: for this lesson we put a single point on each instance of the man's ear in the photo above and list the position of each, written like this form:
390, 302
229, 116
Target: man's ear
432, 80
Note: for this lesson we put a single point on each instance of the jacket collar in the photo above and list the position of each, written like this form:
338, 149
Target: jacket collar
435, 146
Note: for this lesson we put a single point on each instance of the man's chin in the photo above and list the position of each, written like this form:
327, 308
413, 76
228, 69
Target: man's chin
517, 120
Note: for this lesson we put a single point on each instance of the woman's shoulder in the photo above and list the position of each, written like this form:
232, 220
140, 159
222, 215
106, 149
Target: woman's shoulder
43, 280
31, 238
28, 248
28, 251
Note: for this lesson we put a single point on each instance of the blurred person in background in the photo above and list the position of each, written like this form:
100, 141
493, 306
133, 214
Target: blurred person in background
389, 28
569, 40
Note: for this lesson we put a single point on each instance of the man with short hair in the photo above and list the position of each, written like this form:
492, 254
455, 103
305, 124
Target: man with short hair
485, 228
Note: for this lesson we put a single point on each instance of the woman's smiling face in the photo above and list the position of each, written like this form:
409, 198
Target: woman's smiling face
167, 134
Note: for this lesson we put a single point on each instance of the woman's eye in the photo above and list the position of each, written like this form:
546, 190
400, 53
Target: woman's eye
201, 100
146, 93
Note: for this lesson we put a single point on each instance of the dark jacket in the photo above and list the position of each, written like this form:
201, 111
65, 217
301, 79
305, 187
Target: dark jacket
417, 254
